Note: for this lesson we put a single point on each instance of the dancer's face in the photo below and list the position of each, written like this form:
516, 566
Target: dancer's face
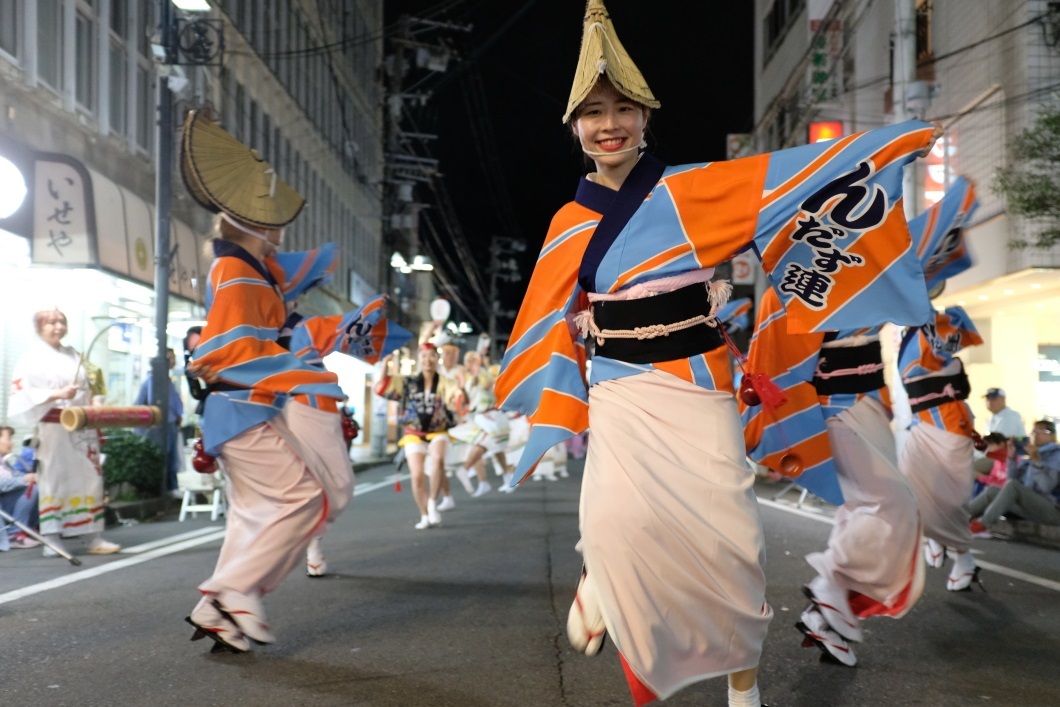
428, 360
608, 122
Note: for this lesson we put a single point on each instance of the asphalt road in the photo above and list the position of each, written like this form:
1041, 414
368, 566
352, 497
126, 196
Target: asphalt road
472, 614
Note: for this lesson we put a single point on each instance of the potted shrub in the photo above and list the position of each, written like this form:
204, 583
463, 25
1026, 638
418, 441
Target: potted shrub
133, 463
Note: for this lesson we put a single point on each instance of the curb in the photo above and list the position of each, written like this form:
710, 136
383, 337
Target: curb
1027, 531
151, 509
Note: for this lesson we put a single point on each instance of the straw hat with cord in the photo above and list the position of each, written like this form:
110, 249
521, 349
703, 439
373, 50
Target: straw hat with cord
224, 175
601, 54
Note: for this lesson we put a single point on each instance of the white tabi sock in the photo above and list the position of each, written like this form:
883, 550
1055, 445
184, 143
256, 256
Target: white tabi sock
750, 698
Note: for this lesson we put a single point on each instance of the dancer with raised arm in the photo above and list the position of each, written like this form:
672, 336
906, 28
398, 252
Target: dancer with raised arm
670, 531
272, 418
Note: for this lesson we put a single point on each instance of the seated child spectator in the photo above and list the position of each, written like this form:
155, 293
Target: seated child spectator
996, 452
18, 492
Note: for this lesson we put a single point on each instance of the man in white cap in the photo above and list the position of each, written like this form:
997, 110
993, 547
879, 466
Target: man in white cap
1004, 419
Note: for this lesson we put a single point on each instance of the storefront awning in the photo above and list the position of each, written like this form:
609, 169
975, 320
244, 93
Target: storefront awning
83, 219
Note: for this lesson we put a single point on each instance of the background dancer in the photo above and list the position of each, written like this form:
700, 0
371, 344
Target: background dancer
273, 419
670, 533
486, 429
839, 410
425, 419
937, 455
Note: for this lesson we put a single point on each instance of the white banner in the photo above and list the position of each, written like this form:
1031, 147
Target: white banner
61, 220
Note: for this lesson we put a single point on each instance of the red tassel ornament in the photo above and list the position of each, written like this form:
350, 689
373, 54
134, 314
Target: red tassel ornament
978, 442
350, 430
790, 466
762, 387
748, 395
202, 462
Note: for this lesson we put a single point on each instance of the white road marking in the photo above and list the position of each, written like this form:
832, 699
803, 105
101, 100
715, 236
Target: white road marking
158, 548
998, 569
109, 567
386, 483
137, 549
1016, 574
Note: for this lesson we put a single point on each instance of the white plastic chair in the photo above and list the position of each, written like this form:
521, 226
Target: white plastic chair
209, 486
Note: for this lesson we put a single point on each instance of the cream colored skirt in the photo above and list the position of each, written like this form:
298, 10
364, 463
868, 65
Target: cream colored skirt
286, 478
874, 547
670, 530
938, 466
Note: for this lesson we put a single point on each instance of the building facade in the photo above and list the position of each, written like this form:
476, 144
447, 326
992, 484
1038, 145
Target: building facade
297, 80
983, 70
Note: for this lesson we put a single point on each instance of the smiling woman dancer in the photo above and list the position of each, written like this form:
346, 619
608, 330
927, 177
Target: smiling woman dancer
670, 533
271, 417
425, 417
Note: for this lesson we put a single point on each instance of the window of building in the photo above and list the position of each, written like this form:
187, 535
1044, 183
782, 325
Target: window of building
119, 17
254, 136
239, 114
119, 90
777, 22
50, 44
147, 28
266, 138
145, 125
924, 48
10, 21
85, 46
228, 99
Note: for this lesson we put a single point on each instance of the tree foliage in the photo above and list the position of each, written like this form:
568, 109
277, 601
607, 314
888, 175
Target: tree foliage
1031, 183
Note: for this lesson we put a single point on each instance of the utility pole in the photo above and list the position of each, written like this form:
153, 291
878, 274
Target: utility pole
163, 192
503, 268
408, 162
904, 79
194, 42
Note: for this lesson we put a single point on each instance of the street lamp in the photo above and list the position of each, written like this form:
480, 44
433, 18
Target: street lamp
192, 5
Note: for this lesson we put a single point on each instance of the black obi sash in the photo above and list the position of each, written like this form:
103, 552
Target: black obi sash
933, 391
856, 360
667, 308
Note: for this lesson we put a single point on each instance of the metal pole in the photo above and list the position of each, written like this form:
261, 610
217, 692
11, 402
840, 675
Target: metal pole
904, 76
493, 303
163, 174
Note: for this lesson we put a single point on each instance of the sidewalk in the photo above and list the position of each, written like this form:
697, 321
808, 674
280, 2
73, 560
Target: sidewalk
1014, 529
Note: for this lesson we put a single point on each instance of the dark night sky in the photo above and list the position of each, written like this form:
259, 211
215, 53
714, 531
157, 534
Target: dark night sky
695, 55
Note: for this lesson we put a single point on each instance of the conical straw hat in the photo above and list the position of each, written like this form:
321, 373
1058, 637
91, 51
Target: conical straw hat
602, 53
223, 174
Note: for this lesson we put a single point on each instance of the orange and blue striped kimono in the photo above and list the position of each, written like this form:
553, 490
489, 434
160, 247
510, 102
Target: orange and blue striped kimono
736, 315
929, 351
246, 309
798, 426
938, 233
825, 219
365, 334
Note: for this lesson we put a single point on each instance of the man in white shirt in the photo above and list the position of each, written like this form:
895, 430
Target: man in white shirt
1004, 420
